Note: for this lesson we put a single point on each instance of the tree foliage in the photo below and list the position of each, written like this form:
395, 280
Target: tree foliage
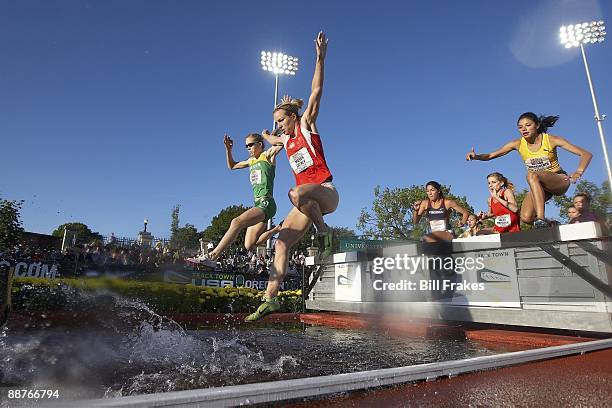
174, 223
84, 234
306, 241
390, 216
11, 228
186, 237
220, 224
600, 199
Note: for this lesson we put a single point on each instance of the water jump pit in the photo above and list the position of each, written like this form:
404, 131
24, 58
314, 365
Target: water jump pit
138, 358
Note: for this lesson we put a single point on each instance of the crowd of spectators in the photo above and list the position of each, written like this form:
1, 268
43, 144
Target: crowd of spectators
113, 256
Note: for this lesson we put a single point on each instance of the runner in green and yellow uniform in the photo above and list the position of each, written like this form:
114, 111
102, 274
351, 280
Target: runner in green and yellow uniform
262, 166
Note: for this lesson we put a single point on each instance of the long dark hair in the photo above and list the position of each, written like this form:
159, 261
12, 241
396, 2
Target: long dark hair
435, 185
544, 122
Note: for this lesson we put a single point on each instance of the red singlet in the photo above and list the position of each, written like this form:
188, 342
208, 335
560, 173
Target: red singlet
306, 157
505, 220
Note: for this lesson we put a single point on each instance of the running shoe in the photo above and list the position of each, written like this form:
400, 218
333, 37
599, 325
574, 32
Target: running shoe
267, 307
540, 223
326, 243
202, 260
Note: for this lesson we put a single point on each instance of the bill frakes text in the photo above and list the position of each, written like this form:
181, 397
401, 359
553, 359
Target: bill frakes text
425, 284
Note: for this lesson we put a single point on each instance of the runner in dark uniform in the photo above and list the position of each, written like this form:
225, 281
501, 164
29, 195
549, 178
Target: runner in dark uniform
436, 210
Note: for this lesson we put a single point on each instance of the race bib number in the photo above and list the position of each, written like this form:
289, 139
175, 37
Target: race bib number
255, 177
437, 225
538, 164
503, 221
300, 160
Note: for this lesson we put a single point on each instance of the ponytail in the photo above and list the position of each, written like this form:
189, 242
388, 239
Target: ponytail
544, 122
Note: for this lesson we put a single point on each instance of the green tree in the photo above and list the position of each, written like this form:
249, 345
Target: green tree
83, 233
390, 216
220, 224
306, 240
600, 199
186, 237
11, 228
174, 223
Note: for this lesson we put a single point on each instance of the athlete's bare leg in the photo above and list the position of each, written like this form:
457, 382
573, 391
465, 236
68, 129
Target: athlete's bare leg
314, 200
542, 185
294, 227
250, 217
264, 236
252, 235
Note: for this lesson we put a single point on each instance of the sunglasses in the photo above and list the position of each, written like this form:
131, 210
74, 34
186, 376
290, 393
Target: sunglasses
249, 145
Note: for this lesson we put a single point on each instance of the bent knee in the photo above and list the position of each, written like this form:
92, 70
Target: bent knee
237, 223
294, 196
527, 218
532, 176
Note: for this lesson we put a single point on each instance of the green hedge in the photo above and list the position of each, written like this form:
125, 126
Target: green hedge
97, 293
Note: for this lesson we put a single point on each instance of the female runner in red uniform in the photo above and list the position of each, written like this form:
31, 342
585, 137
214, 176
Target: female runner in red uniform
314, 194
502, 205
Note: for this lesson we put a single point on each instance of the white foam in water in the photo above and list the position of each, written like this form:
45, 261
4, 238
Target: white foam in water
138, 353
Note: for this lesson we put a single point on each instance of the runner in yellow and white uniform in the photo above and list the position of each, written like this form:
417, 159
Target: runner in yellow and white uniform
538, 150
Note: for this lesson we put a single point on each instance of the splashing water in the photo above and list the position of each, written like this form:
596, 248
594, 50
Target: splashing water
137, 352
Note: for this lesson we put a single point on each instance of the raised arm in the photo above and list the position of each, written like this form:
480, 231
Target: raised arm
309, 118
273, 138
272, 152
585, 155
505, 149
231, 163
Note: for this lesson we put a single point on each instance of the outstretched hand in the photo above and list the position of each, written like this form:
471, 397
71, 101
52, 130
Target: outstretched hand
471, 155
286, 99
229, 143
321, 44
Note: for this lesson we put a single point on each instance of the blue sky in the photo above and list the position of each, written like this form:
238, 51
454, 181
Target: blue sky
114, 111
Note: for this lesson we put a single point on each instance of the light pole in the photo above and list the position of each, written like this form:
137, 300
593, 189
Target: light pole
146, 221
279, 64
578, 35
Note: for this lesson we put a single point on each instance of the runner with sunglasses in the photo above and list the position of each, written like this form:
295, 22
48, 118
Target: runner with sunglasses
262, 166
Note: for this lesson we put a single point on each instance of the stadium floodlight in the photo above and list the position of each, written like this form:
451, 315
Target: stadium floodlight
279, 64
579, 35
